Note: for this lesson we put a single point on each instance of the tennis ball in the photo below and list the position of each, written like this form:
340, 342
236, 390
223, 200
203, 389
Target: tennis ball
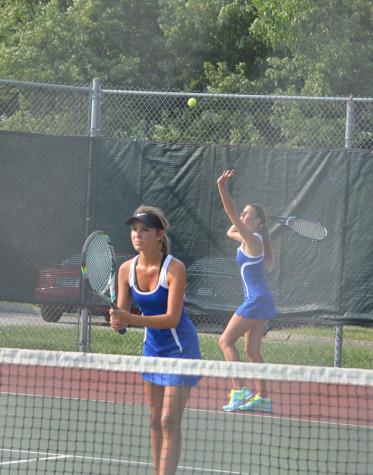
192, 102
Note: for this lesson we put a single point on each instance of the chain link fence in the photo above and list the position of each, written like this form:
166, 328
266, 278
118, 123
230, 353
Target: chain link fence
255, 121
229, 119
44, 108
288, 122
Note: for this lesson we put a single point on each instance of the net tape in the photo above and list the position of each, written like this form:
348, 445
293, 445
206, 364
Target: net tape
190, 367
88, 413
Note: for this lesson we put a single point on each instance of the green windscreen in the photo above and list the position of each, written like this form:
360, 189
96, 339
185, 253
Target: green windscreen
47, 208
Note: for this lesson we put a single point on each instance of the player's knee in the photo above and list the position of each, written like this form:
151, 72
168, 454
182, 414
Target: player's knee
253, 355
155, 422
169, 423
223, 342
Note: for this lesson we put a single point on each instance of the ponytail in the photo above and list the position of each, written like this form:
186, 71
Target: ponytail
165, 244
264, 232
267, 244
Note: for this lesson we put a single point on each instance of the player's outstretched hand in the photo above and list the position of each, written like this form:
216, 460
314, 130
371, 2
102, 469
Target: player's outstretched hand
225, 176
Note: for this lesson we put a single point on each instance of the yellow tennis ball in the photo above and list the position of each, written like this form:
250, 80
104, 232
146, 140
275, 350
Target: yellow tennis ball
192, 102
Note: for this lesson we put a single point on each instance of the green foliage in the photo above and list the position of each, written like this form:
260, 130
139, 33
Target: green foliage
73, 41
305, 47
296, 47
210, 32
222, 80
318, 48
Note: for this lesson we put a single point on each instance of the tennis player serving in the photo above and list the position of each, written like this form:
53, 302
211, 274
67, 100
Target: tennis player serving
249, 228
156, 281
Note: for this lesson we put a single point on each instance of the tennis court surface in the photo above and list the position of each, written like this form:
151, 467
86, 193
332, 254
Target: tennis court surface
74, 413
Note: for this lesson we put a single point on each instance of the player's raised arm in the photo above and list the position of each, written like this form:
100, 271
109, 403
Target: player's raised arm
238, 231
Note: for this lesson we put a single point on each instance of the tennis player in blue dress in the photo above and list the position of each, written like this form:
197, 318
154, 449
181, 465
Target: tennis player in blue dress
156, 282
249, 320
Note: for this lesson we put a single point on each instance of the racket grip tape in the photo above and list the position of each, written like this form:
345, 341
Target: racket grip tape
122, 331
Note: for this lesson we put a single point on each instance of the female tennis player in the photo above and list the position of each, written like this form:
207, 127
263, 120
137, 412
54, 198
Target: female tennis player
156, 281
258, 306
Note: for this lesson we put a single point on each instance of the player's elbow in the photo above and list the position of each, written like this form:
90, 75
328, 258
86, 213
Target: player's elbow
173, 320
270, 265
174, 323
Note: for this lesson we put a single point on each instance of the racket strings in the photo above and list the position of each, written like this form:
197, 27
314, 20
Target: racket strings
308, 229
100, 263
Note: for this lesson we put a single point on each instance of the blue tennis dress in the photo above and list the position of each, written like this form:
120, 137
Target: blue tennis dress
179, 342
258, 301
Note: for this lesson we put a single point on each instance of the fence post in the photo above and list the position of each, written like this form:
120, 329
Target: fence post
349, 123
348, 146
83, 322
95, 108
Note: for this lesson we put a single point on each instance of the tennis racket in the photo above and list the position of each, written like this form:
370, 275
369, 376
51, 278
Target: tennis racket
306, 228
98, 267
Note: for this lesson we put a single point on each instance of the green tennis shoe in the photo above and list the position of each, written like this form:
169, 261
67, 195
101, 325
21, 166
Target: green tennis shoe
257, 404
236, 398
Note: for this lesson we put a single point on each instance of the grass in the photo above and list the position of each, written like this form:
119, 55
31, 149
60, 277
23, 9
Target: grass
349, 333
39, 338
274, 351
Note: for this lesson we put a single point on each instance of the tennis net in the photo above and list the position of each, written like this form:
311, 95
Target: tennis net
77, 413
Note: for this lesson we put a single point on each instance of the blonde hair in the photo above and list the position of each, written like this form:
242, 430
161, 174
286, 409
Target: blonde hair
165, 241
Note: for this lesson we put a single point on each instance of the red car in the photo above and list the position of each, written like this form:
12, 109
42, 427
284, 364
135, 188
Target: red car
58, 289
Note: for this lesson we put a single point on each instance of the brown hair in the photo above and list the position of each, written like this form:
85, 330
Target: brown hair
165, 242
264, 232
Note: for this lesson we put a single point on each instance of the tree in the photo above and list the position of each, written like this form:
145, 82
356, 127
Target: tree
319, 48
72, 41
208, 37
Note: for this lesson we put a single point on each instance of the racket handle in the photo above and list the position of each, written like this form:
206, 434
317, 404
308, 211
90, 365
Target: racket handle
123, 330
